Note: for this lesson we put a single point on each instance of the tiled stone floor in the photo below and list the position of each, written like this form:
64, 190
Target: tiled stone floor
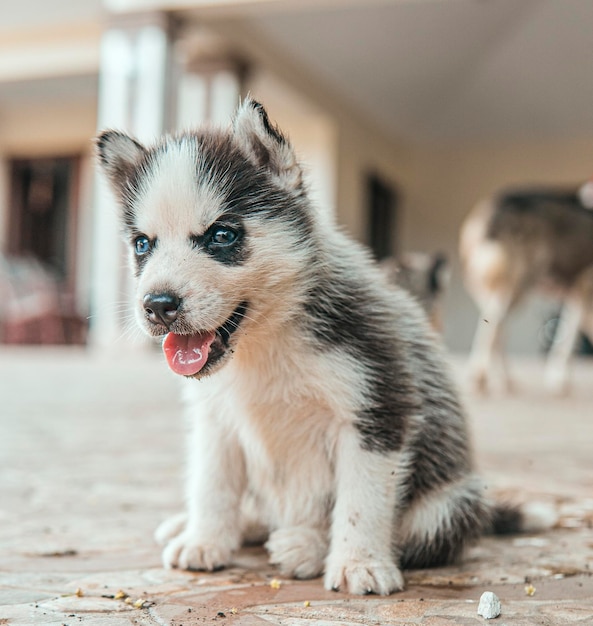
91, 461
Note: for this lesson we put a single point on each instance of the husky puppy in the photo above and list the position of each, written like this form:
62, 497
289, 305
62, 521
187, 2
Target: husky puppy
524, 240
319, 402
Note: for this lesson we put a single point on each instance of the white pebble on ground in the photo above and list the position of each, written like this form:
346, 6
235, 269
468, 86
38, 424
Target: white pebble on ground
489, 606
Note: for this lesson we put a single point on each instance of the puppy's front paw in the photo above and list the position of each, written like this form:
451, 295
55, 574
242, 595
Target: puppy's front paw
187, 551
380, 576
298, 551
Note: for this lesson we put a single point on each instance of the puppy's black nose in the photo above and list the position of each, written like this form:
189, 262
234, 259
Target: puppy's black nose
161, 308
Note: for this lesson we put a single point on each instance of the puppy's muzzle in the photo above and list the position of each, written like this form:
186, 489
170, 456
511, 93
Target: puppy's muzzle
161, 308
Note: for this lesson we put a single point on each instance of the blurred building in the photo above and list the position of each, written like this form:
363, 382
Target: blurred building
405, 112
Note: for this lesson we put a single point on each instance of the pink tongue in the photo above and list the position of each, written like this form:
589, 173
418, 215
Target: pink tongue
187, 354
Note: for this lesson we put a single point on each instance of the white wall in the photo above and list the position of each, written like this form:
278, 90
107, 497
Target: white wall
337, 150
331, 134
310, 130
41, 128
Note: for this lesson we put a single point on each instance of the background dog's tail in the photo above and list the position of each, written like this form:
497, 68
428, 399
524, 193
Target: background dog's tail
532, 517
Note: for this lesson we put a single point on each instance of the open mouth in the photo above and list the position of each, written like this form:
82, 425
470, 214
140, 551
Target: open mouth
193, 354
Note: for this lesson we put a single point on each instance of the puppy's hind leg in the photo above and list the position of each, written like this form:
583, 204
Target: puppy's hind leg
170, 528
299, 551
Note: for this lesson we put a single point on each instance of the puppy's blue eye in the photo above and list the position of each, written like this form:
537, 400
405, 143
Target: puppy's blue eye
223, 236
141, 245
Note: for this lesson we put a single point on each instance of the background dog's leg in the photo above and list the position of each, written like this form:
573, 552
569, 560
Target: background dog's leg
571, 319
587, 284
502, 361
215, 483
360, 558
488, 339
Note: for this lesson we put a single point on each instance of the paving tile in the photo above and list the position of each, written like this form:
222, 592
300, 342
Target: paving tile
90, 466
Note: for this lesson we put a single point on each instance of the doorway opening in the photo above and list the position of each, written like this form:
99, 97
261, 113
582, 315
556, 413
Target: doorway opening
38, 269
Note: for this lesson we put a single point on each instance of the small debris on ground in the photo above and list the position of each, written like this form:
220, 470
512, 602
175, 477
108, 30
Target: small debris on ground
59, 553
489, 606
530, 590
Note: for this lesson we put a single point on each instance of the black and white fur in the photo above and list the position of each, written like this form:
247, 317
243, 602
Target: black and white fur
325, 413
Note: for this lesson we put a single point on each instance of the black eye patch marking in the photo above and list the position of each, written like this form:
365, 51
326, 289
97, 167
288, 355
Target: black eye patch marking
224, 241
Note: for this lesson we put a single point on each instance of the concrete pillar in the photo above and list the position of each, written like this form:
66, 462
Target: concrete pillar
210, 82
133, 96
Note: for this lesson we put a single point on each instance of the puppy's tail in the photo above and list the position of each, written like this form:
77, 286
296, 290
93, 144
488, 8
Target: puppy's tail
508, 519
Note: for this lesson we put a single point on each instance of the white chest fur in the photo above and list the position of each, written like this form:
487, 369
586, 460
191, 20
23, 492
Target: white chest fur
285, 415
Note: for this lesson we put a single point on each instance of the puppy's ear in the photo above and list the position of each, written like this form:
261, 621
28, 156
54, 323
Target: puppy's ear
265, 145
118, 155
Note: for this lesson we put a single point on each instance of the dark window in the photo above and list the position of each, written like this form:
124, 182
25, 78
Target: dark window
41, 252
382, 217
43, 211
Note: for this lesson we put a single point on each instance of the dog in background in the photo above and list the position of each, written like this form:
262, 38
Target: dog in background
319, 401
520, 241
425, 276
